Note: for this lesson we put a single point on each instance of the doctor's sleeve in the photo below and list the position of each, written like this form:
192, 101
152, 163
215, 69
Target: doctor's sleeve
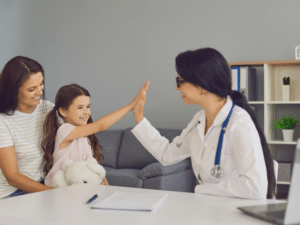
252, 182
165, 152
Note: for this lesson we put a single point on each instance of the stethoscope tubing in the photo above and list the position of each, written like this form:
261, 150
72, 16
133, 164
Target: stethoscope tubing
220, 142
216, 170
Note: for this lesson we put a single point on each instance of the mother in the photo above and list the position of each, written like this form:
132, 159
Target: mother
22, 114
204, 79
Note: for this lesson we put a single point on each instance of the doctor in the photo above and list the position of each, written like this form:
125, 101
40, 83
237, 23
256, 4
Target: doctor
228, 150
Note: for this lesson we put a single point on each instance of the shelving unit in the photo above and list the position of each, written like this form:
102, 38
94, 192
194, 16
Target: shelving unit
269, 106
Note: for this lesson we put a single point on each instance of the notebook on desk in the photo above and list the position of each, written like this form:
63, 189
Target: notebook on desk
282, 213
127, 201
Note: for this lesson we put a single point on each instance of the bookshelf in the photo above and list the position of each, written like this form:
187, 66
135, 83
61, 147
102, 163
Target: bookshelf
269, 106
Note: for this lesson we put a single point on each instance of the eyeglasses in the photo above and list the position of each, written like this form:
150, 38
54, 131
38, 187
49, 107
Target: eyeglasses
178, 82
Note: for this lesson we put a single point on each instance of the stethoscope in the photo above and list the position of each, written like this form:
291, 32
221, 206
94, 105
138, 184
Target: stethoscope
216, 171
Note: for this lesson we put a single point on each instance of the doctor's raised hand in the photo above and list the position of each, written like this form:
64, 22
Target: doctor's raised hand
138, 109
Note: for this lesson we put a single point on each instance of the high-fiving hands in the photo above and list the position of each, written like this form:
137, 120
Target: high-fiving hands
138, 103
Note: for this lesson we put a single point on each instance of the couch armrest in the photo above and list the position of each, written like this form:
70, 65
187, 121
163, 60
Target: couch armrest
157, 169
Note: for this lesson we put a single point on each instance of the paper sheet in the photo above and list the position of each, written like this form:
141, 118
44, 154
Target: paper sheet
132, 201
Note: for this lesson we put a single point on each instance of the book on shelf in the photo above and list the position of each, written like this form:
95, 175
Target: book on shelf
235, 78
248, 82
244, 81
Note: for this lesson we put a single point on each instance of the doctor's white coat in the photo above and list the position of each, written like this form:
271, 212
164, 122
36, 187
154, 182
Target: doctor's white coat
242, 159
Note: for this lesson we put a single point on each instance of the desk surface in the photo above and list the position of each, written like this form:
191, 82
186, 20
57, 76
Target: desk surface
67, 206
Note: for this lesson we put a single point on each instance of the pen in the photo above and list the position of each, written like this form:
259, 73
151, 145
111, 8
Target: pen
92, 199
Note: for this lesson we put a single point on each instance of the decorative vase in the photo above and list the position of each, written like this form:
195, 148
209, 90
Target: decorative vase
285, 92
288, 134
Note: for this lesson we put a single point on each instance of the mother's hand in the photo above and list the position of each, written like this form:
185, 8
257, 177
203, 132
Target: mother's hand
138, 109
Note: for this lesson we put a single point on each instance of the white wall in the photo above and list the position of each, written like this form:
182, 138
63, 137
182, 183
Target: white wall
112, 47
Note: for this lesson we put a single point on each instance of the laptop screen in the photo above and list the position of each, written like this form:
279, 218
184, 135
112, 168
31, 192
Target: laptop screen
292, 214
287, 213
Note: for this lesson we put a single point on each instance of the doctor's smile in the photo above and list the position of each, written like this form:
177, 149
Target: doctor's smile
185, 90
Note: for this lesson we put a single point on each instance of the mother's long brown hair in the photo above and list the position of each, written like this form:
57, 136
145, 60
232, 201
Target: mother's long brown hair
64, 98
14, 74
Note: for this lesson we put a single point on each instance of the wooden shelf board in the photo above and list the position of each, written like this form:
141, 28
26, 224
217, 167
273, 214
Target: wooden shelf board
274, 102
261, 63
282, 143
283, 102
283, 182
256, 102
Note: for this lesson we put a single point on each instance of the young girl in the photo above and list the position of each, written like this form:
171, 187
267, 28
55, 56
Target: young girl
75, 139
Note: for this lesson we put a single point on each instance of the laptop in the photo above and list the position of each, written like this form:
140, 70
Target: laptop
282, 213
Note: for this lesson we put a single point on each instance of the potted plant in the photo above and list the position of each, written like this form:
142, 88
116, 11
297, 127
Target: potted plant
287, 125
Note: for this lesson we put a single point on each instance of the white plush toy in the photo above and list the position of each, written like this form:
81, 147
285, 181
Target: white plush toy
89, 171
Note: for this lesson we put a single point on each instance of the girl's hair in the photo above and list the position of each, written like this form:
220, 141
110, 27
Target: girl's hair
64, 98
208, 69
14, 74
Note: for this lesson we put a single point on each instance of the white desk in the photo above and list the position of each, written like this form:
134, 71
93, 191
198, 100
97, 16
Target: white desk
67, 206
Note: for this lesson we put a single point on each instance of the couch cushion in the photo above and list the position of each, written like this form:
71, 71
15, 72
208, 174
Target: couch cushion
157, 169
123, 177
184, 181
132, 153
110, 141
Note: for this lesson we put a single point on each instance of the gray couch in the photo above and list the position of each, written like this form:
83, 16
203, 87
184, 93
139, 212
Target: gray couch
129, 164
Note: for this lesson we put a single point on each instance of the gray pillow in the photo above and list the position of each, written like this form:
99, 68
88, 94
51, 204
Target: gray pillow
157, 169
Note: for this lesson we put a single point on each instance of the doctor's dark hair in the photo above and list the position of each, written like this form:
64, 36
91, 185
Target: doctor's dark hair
14, 74
208, 69
64, 98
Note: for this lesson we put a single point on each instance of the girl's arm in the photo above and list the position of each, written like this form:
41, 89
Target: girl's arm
102, 123
9, 167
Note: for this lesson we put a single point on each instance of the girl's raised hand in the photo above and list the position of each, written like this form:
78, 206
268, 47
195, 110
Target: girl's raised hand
140, 94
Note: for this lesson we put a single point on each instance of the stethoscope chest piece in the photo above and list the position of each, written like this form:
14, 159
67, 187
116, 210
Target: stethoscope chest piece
217, 171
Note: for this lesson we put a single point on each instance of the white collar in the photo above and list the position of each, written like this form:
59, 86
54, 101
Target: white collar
223, 113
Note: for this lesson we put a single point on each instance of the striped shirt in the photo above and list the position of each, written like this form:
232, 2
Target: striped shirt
24, 131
